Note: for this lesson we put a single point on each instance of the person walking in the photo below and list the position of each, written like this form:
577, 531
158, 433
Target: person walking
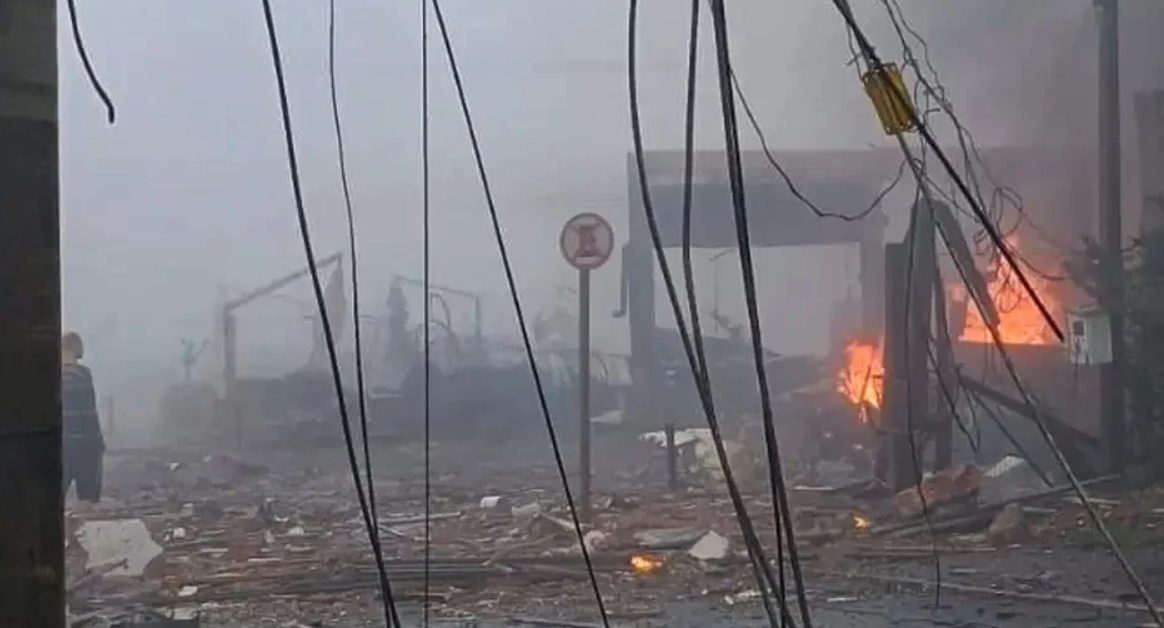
84, 444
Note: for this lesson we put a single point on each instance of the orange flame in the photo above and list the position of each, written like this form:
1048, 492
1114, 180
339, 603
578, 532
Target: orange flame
860, 380
642, 564
1020, 321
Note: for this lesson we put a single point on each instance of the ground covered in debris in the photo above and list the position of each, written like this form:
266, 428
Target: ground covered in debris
200, 538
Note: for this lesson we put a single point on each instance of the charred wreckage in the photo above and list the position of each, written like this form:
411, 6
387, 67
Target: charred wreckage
844, 406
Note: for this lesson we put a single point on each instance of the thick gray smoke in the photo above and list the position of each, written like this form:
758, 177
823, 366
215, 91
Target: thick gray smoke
189, 192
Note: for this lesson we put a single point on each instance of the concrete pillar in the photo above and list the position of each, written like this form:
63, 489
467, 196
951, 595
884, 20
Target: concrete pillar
31, 522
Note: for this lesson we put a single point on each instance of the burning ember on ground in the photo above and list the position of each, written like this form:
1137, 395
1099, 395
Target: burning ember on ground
860, 380
861, 523
1021, 323
642, 564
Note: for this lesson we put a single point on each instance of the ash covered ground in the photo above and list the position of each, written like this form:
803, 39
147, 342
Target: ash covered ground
272, 536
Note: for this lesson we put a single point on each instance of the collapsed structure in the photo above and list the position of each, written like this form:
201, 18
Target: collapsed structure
870, 366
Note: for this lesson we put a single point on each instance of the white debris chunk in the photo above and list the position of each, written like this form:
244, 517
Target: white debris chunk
490, 502
711, 547
594, 539
188, 591
527, 511
118, 540
1004, 466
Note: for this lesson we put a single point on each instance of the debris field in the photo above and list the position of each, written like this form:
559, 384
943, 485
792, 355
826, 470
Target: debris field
199, 538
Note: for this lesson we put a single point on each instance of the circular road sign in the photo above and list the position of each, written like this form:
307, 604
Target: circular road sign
587, 241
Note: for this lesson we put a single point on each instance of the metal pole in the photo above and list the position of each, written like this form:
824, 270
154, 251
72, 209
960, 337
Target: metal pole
1112, 394
584, 390
32, 563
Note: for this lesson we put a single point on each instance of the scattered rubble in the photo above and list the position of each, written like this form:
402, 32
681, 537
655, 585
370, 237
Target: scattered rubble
946, 487
213, 550
1010, 527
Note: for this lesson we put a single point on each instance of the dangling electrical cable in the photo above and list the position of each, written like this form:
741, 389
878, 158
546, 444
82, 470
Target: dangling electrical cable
688, 270
1077, 487
765, 581
87, 64
688, 190
357, 338
736, 180
391, 617
518, 309
426, 280
901, 99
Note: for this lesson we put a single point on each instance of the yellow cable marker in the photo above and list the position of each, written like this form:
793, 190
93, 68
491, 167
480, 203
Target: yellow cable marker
894, 110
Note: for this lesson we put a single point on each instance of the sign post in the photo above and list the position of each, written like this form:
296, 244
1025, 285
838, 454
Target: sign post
587, 241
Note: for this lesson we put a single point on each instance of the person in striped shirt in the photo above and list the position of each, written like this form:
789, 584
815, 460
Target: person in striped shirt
84, 444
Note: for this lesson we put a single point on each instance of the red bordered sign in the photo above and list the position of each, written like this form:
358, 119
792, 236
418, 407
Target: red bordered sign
587, 241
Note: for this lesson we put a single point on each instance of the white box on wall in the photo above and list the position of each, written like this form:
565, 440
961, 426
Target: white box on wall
1088, 336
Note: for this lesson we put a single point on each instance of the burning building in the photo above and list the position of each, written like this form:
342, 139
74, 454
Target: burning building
1065, 393
1057, 191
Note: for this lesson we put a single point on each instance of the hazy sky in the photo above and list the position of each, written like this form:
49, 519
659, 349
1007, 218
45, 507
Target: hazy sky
189, 190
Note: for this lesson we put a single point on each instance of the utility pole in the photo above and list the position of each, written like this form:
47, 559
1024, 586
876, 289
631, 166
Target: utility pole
31, 523
1111, 382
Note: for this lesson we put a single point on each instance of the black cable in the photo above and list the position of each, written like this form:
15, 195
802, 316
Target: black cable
518, 310
391, 617
87, 64
952, 404
688, 189
1001, 196
357, 338
426, 280
942, 337
788, 181
688, 270
736, 180
950, 398
765, 580
1023, 218
1014, 441
976, 437
922, 180
1089, 507
927, 136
